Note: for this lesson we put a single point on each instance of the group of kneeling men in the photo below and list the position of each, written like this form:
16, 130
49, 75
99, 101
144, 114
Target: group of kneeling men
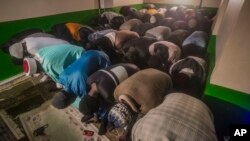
149, 85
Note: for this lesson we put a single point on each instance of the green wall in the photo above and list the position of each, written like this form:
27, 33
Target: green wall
228, 95
7, 29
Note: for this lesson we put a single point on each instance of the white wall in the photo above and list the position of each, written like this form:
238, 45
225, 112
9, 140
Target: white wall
206, 3
211, 3
220, 14
226, 22
126, 2
232, 69
22, 9
115, 3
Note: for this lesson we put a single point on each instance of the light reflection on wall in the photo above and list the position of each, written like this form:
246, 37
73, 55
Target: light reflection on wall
205, 3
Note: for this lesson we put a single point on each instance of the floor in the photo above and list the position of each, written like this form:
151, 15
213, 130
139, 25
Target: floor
226, 115
27, 102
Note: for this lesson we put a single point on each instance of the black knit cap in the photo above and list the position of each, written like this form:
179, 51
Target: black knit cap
89, 105
125, 10
117, 21
84, 32
63, 99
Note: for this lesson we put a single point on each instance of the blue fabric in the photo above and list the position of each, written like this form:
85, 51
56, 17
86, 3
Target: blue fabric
74, 77
195, 44
197, 38
55, 58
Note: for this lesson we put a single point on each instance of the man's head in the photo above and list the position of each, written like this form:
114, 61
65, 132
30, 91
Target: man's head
126, 10
117, 21
181, 81
185, 81
84, 32
162, 51
16, 50
194, 50
179, 25
131, 55
63, 99
160, 59
88, 106
167, 21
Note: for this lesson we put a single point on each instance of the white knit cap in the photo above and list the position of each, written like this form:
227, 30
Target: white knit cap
16, 50
29, 66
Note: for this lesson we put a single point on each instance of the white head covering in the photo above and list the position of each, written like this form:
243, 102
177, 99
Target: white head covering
16, 50
33, 44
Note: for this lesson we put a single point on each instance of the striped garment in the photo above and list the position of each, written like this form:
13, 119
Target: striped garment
107, 79
195, 65
179, 118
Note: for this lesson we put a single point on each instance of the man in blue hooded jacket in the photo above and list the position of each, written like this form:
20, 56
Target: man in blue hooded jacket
74, 78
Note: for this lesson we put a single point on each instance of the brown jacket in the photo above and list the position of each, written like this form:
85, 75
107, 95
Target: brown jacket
124, 36
147, 88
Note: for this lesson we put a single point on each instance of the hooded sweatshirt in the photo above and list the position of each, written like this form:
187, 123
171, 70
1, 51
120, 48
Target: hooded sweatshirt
74, 77
54, 59
180, 117
108, 79
145, 88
